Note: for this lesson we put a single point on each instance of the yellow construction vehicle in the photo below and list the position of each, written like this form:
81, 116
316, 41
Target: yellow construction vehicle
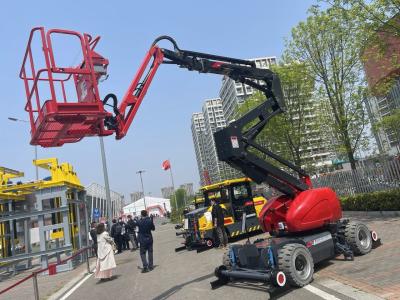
236, 199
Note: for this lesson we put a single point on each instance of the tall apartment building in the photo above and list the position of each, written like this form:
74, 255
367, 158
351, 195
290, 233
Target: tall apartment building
167, 192
318, 148
198, 135
379, 107
188, 187
381, 64
135, 196
234, 93
204, 124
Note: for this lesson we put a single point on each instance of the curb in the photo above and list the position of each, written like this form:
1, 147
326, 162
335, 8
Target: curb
384, 213
69, 285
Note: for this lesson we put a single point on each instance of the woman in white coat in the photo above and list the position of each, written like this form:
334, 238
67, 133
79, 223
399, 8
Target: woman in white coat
105, 254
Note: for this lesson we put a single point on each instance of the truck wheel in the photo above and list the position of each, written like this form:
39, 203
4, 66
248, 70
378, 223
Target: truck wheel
296, 262
226, 261
358, 237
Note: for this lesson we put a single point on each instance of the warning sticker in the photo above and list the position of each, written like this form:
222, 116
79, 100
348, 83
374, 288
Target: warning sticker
235, 142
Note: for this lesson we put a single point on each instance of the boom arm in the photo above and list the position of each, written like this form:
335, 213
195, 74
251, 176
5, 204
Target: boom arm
232, 142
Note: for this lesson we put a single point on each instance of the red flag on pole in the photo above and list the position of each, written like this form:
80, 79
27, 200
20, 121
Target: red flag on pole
166, 165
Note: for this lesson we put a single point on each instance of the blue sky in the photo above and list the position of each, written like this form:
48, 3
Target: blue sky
161, 129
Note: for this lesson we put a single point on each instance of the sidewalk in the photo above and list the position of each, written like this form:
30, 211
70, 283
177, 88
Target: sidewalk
48, 285
378, 272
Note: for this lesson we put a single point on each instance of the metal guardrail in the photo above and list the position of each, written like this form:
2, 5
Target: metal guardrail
383, 176
52, 269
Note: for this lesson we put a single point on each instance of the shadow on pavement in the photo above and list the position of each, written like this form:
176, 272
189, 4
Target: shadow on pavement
176, 288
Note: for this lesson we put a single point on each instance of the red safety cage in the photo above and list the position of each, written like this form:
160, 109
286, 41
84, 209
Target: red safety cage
57, 115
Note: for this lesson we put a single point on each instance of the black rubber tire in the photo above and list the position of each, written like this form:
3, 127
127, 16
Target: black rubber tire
226, 260
358, 236
296, 262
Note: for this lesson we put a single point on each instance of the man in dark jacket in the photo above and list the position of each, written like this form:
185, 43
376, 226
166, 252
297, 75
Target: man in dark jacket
131, 229
218, 222
146, 226
116, 234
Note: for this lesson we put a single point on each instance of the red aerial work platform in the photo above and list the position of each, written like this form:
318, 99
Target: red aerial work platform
56, 117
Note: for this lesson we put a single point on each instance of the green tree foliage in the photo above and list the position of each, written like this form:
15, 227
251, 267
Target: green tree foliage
377, 21
372, 14
285, 133
328, 43
178, 204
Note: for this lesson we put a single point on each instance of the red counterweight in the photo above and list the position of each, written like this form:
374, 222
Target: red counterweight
56, 115
310, 209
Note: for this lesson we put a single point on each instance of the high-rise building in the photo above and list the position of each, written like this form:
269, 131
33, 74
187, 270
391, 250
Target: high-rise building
167, 192
198, 135
204, 125
234, 93
379, 107
135, 196
381, 64
188, 187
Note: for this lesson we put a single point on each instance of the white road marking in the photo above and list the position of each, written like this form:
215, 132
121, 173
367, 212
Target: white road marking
320, 293
75, 287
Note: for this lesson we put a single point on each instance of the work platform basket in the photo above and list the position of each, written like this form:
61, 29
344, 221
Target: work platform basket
63, 102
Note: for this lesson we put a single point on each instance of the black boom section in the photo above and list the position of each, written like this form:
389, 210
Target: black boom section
233, 144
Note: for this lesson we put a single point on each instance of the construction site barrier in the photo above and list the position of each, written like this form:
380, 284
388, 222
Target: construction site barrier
52, 270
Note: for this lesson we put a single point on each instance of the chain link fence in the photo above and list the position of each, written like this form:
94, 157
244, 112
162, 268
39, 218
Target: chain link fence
365, 179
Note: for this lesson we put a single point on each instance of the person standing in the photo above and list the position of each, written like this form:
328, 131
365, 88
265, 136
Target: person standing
146, 226
131, 228
116, 234
218, 222
125, 236
93, 236
105, 263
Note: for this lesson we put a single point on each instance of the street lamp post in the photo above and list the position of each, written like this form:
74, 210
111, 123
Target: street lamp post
106, 183
36, 157
141, 180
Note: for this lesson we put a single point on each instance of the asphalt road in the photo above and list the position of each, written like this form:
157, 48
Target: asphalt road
187, 275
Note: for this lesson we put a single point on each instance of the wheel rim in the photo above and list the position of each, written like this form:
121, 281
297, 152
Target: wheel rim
364, 238
302, 266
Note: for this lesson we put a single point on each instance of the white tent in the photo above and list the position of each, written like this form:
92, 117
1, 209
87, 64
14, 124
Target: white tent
155, 206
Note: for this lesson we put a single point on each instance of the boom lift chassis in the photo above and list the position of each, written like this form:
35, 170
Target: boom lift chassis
305, 223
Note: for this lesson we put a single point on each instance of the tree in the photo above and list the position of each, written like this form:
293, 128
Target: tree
286, 134
372, 14
378, 25
178, 205
329, 46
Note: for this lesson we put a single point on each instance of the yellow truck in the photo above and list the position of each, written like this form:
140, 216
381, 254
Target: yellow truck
236, 198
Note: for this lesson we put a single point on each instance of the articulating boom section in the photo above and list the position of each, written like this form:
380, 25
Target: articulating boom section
233, 144
239, 70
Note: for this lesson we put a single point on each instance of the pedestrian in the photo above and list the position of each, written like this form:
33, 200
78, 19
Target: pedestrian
125, 236
218, 222
131, 228
105, 263
146, 226
116, 234
93, 236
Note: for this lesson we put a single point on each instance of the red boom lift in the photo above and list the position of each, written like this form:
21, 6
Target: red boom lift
305, 223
